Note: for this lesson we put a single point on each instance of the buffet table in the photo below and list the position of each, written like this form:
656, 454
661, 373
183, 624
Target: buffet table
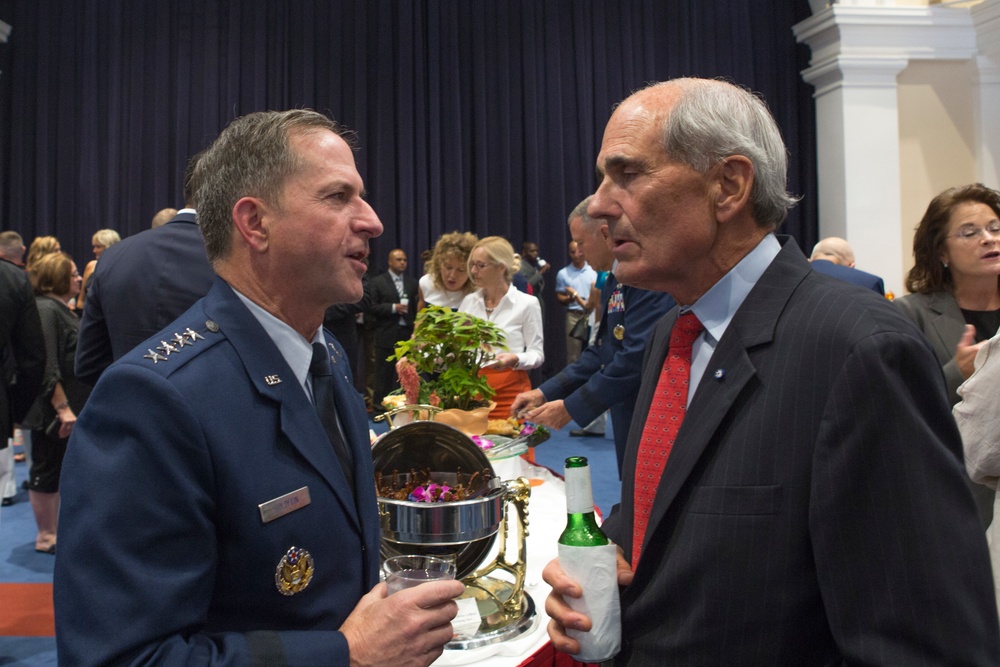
546, 520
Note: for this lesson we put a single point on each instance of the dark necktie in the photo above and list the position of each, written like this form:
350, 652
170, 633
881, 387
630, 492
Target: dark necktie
666, 413
323, 395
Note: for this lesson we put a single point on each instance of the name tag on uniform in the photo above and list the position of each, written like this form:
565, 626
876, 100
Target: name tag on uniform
282, 505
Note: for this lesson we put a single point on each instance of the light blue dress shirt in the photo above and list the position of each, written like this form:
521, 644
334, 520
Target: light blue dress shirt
716, 307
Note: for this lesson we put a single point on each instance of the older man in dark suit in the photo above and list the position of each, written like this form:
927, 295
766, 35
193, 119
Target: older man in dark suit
793, 486
218, 502
835, 257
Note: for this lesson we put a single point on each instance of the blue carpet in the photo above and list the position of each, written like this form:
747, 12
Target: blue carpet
20, 563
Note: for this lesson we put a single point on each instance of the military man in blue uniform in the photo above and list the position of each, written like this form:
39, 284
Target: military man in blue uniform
218, 494
608, 373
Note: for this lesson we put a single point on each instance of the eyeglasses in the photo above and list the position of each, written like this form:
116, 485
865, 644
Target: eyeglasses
972, 233
479, 266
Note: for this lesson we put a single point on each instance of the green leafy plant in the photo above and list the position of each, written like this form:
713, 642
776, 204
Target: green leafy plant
440, 364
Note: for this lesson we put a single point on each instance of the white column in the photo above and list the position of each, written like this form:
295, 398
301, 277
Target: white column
857, 131
858, 49
986, 92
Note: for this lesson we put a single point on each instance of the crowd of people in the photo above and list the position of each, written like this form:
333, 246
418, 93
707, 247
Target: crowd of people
794, 484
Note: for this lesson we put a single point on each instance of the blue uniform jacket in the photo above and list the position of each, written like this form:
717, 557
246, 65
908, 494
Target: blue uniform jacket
163, 554
608, 373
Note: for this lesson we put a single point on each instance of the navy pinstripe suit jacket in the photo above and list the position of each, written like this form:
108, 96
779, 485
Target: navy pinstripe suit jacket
814, 509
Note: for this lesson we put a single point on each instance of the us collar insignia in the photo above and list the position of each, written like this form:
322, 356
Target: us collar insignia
294, 571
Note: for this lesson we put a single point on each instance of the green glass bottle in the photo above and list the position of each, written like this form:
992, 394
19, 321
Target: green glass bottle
581, 524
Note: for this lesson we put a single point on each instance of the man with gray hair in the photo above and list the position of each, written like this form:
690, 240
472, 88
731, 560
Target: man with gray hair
606, 375
218, 495
793, 490
12, 247
834, 256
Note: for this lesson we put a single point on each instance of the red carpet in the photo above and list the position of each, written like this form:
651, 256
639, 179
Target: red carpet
27, 610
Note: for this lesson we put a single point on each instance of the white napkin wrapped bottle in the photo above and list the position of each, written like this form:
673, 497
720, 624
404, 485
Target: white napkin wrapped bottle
589, 558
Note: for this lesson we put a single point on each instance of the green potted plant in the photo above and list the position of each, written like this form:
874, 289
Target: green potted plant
440, 364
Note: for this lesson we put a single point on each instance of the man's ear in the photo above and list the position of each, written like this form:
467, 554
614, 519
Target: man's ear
734, 179
251, 221
605, 231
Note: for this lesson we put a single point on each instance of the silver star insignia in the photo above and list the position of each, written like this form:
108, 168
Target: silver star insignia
192, 335
180, 340
166, 348
155, 356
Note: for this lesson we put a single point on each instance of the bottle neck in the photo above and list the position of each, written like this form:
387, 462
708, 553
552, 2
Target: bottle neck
579, 496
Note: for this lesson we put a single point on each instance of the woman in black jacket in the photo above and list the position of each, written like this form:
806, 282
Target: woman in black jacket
56, 282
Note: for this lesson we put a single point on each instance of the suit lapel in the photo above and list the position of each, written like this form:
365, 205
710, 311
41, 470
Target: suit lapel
752, 326
263, 364
949, 324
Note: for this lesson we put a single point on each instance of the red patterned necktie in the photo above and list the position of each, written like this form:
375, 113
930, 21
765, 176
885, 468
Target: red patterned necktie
663, 422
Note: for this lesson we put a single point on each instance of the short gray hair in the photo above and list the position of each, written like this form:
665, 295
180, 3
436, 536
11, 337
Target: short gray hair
251, 158
713, 120
580, 211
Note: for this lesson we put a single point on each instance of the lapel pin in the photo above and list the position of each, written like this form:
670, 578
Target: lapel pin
719, 373
272, 380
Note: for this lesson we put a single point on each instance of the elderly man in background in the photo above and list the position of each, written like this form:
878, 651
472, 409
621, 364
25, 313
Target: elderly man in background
219, 506
793, 490
834, 257
607, 374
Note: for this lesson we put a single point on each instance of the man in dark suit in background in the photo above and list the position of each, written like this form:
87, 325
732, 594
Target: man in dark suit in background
22, 362
217, 490
393, 311
607, 373
341, 320
141, 285
834, 257
793, 490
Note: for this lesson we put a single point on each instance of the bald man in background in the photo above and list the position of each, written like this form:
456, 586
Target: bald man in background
834, 256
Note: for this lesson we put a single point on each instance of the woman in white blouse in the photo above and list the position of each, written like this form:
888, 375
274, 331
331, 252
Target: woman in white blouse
517, 313
447, 279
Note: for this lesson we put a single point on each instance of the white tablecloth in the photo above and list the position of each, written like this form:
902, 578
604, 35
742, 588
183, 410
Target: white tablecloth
546, 520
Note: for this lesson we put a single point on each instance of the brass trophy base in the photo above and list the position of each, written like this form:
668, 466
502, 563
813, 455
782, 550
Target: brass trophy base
497, 625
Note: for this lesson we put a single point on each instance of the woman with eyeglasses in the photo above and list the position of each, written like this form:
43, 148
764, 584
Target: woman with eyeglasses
491, 264
56, 281
955, 281
955, 285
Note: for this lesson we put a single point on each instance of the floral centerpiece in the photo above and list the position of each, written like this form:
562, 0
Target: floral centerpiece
439, 365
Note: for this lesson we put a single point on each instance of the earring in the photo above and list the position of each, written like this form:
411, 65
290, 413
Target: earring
944, 264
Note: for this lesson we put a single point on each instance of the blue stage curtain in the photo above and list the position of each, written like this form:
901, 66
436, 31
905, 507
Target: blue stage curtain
481, 115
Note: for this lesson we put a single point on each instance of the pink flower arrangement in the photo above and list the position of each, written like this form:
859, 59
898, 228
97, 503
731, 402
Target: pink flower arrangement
432, 493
